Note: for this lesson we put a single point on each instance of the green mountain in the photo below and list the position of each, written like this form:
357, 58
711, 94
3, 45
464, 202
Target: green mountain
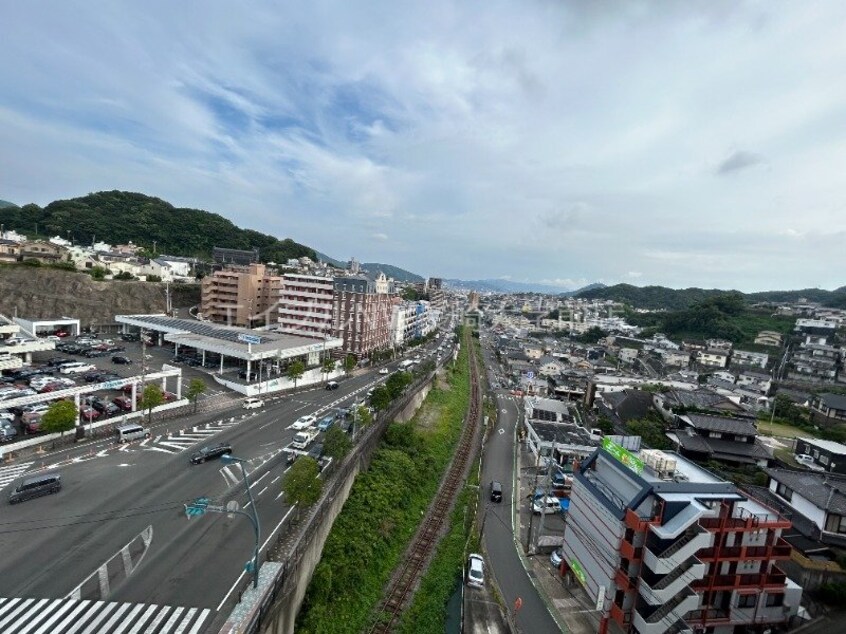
6, 203
119, 217
658, 297
400, 275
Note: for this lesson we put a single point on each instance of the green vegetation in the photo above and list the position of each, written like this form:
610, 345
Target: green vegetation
125, 216
400, 275
6, 203
59, 417
301, 484
152, 397
349, 363
832, 593
337, 443
426, 614
196, 388
295, 371
384, 508
651, 431
327, 366
592, 335
663, 298
724, 316
380, 399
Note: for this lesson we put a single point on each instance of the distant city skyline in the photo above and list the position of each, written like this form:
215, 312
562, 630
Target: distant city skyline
690, 144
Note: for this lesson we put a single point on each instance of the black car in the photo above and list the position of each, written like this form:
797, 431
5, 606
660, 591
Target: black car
496, 491
121, 359
130, 336
213, 451
244, 375
54, 361
109, 409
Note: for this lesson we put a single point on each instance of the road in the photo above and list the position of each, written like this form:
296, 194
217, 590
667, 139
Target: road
499, 534
118, 530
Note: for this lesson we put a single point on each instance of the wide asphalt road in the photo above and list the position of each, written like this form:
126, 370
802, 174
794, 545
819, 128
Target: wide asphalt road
499, 534
118, 530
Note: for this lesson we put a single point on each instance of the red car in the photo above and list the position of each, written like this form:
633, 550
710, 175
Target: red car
88, 414
127, 389
124, 403
169, 396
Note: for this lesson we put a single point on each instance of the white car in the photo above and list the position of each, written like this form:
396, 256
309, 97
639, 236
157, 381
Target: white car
384, 370
807, 460
304, 422
253, 403
475, 571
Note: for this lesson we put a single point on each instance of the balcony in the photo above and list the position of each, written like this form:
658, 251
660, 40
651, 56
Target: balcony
667, 587
780, 550
745, 520
628, 551
622, 618
774, 579
687, 545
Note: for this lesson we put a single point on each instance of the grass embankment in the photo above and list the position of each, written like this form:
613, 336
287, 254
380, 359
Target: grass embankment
384, 510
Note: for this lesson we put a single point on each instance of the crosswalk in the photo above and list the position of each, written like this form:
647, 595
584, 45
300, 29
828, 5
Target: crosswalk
11, 473
66, 616
183, 439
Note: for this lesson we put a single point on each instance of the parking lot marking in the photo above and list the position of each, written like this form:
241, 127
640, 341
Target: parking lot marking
10, 473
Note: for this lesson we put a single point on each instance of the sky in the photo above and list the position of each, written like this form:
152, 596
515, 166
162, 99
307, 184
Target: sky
547, 141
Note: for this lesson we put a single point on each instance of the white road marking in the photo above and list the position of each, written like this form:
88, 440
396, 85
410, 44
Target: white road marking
262, 491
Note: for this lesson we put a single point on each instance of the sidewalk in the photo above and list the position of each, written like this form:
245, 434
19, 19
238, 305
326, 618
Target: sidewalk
570, 606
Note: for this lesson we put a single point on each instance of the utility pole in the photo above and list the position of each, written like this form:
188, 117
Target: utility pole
531, 502
546, 488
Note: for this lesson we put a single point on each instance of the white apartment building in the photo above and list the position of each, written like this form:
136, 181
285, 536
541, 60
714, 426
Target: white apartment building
410, 320
305, 305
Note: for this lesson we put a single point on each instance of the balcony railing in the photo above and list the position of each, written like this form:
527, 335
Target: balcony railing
766, 580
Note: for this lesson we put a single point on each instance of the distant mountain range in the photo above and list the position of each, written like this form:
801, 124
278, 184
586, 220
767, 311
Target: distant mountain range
508, 286
657, 297
400, 275
6, 203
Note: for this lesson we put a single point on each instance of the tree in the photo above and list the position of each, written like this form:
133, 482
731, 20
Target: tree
195, 388
396, 383
381, 398
363, 417
328, 366
124, 275
59, 417
336, 444
295, 371
98, 272
301, 484
651, 432
154, 278
349, 363
152, 397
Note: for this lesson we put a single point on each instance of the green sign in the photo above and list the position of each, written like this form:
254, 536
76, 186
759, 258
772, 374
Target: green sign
576, 567
623, 455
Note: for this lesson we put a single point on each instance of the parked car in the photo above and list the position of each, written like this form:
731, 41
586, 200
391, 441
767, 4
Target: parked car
253, 403
7, 431
121, 359
326, 422
475, 571
252, 376
332, 385
88, 413
304, 422
807, 461
168, 396
384, 371
496, 491
124, 403
213, 451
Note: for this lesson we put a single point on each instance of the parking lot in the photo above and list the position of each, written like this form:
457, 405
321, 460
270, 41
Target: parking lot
106, 358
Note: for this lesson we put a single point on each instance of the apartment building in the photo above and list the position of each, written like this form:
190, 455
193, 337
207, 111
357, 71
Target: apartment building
306, 304
241, 296
360, 316
410, 320
663, 545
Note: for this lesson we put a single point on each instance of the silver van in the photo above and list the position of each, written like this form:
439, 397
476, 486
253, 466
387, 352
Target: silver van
125, 433
36, 486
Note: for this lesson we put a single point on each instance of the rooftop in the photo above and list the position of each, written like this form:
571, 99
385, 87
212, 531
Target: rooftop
834, 401
823, 490
828, 445
721, 424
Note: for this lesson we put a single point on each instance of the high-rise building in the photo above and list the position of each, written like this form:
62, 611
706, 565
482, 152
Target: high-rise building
360, 316
663, 545
241, 296
305, 305
410, 320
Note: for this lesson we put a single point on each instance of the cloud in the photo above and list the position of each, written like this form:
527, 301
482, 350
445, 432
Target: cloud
737, 161
531, 144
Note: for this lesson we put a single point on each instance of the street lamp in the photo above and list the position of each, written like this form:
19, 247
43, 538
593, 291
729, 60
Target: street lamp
255, 520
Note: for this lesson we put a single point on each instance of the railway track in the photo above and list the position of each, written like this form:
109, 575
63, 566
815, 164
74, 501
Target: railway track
401, 589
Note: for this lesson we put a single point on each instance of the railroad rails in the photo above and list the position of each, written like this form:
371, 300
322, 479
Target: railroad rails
412, 567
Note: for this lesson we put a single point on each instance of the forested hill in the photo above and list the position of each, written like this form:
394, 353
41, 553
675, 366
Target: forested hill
118, 217
400, 275
657, 297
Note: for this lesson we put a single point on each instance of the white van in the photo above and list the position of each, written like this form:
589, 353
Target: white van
76, 367
125, 433
546, 506
252, 403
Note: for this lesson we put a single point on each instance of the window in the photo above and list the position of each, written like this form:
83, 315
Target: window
836, 524
747, 600
824, 460
783, 491
774, 600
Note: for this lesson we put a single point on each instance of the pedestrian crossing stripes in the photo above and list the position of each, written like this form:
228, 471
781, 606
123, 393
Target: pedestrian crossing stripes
12, 472
71, 616
182, 440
